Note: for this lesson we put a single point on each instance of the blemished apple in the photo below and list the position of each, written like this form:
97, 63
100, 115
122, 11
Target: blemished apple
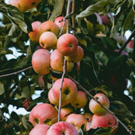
49, 26
80, 101
67, 44
57, 62
62, 128
95, 107
59, 21
69, 91
131, 44
77, 120
34, 35
41, 61
48, 40
39, 129
43, 113
77, 56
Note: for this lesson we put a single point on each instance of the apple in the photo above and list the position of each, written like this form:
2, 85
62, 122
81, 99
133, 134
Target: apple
41, 81
67, 44
77, 56
59, 21
95, 107
39, 129
77, 120
41, 61
57, 62
80, 101
131, 44
62, 128
14, 3
48, 40
34, 35
49, 26
43, 113
106, 19
69, 91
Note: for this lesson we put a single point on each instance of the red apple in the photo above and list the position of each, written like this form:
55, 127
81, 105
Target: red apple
95, 107
131, 44
14, 3
67, 44
48, 40
41, 61
39, 129
43, 113
62, 128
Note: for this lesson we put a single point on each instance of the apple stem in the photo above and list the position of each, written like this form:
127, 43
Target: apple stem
91, 96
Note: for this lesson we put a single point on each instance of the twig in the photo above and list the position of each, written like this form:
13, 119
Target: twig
73, 16
78, 84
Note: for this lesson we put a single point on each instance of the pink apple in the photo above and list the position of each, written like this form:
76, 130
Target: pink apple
62, 128
131, 44
43, 113
41, 82
67, 44
14, 3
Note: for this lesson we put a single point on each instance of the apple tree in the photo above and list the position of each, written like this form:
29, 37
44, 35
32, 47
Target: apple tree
79, 55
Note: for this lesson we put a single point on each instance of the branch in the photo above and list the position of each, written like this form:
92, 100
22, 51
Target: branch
73, 16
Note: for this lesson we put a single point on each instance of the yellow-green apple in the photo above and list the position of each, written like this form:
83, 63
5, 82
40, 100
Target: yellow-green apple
60, 22
95, 107
43, 113
41, 61
67, 44
69, 91
80, 101
57, 62
49, 26
100, 27
131, 44
14, 3
77, 120
62, 128
65, 111
28, 4
48, 40
34, 35
77, 56
39, 129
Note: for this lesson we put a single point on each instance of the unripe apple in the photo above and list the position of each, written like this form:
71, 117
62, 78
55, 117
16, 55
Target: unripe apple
100, 27
34, 35
48, 40
57, 62
39, 129
131, 44
59, 21
41, 61
43, 113
49, 26
62, 128
67, 44
95, 107
80, 101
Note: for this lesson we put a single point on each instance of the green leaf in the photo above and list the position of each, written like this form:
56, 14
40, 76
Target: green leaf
2, 90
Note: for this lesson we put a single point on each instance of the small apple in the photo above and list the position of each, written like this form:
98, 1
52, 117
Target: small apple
95, 107
43, 113
77, 120
67, 44
48, 40
59, 21
131, 44
57, 62
80, 101
107, 19
39, 129
41, 61
34, 35
62, 128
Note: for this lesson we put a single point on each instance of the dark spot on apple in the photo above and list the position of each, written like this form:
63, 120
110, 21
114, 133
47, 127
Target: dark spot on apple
66, 91
36, 120
110, 123
96, 98
33, 3
70, 45
42, 44
76, 104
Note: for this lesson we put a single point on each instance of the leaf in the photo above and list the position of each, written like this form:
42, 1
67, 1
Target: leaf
82, 41
2, 90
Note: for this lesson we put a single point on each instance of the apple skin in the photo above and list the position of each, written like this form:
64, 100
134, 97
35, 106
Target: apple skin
34, 35
57, 62
60, 22
131, 44
67, 44
14, 3
77, 56
95, 107
77, 120
41, 61
80, 101
43, 112
61, 128
69, 91
39, 129
48, 40
49, 26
